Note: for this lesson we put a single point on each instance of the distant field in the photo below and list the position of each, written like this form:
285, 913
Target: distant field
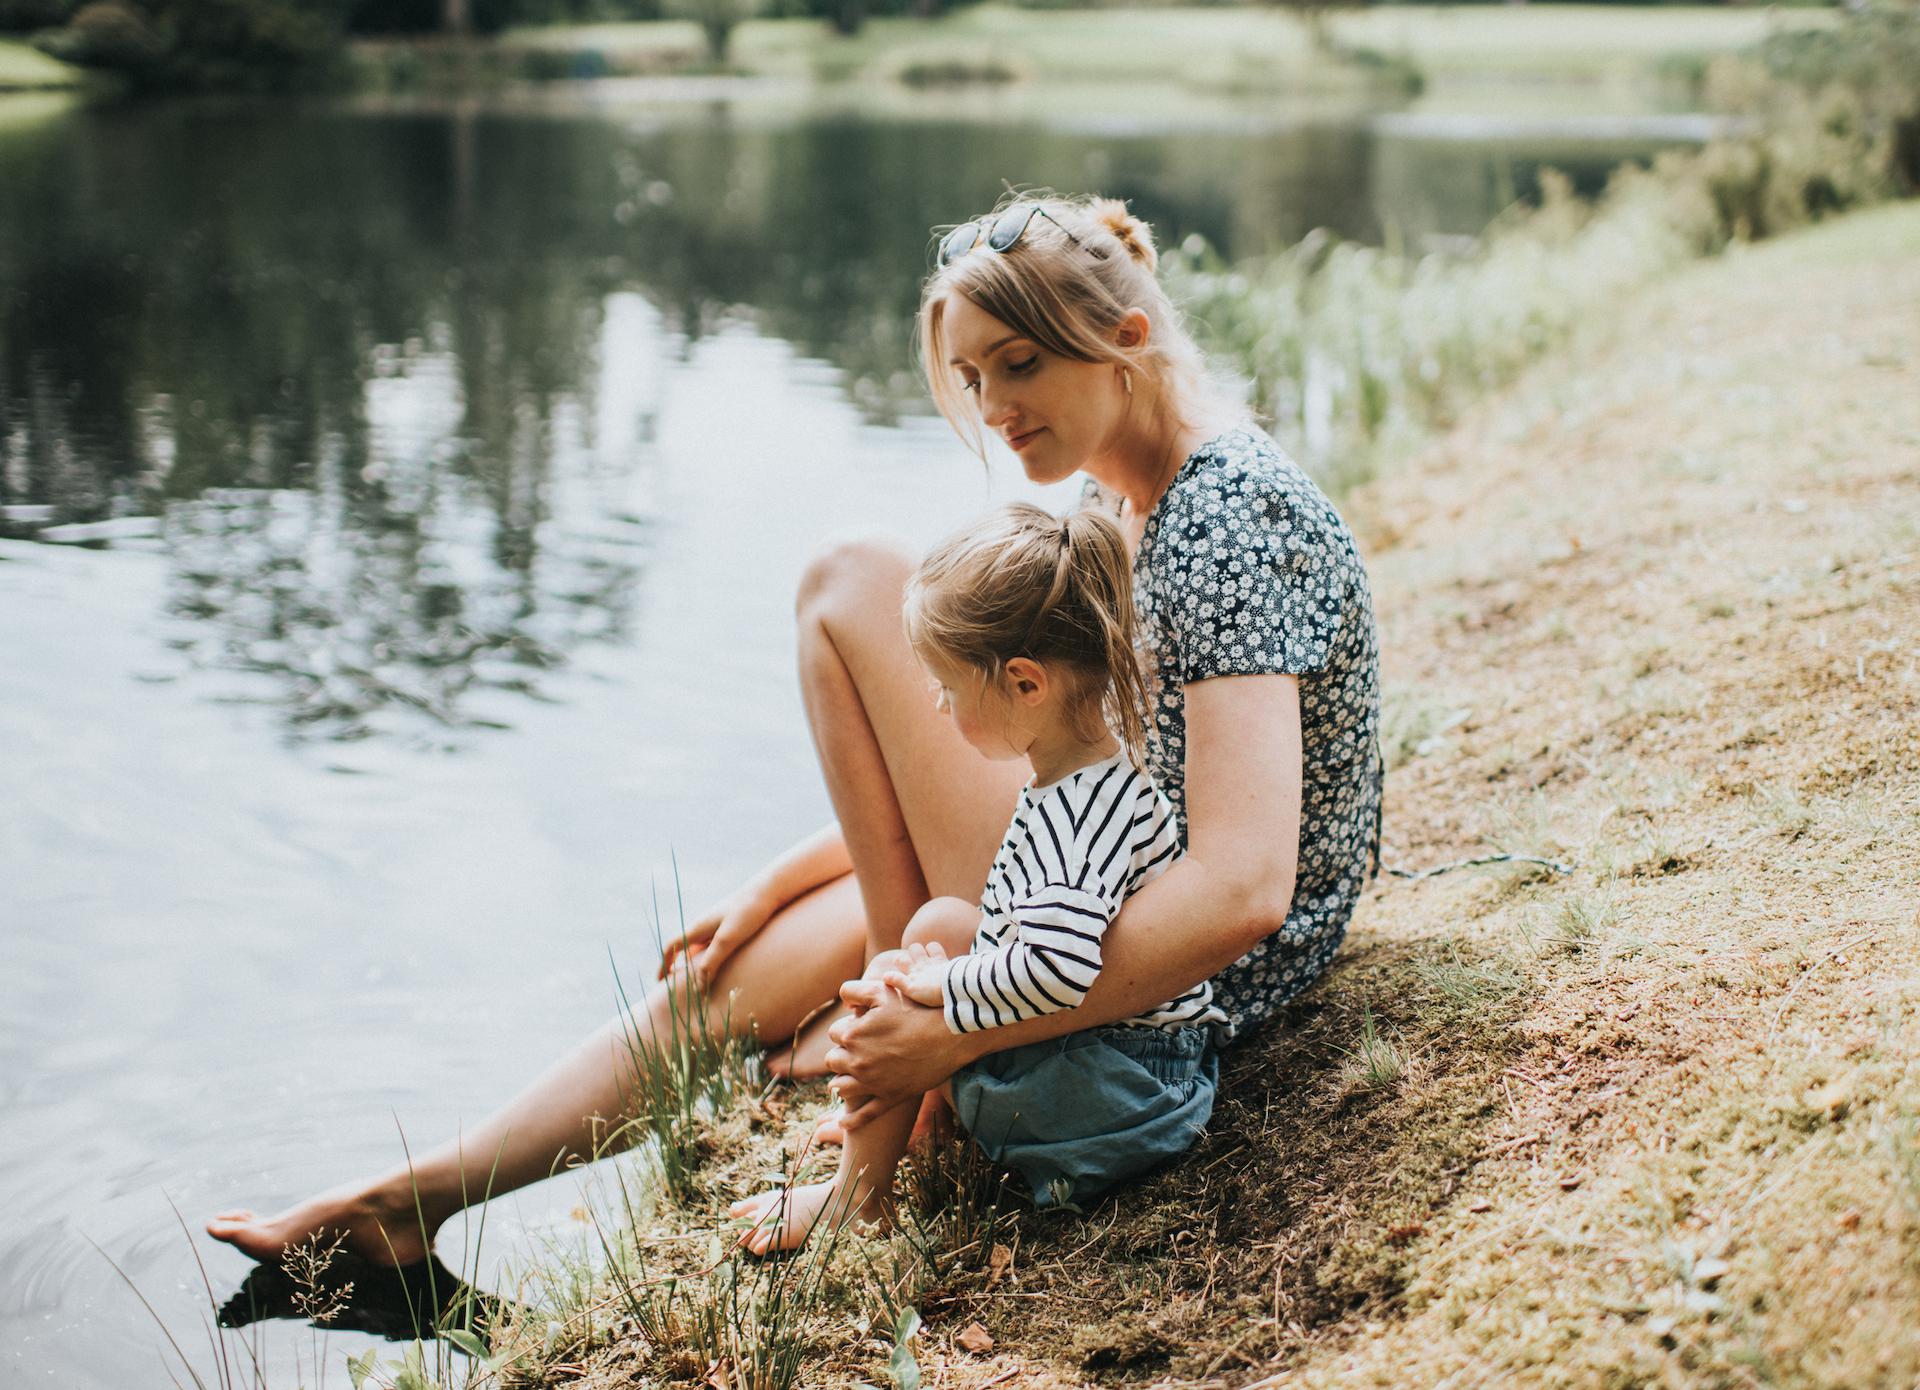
1200, 45
25, 68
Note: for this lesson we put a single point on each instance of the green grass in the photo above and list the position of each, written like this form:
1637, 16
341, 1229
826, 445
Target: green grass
25, 69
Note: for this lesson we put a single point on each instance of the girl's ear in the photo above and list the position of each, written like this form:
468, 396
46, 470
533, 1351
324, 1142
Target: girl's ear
1026, 680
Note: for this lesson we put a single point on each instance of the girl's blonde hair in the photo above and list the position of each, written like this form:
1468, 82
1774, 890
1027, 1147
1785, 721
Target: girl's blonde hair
1056, 590
1069, 298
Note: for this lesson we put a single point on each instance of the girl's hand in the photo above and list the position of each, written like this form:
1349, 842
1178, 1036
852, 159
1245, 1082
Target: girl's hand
924, 978
715, 935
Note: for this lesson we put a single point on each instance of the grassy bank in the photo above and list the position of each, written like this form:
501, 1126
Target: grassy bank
26, 69
1236, 47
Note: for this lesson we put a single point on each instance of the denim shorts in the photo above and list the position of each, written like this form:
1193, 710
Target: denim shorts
1075, 1115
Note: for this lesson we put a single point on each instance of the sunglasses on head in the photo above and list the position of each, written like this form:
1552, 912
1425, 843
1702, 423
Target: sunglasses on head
1000, 234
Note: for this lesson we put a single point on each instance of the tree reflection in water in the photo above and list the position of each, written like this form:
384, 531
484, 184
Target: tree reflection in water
390, 377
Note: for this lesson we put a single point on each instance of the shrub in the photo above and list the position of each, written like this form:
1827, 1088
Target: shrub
24, 16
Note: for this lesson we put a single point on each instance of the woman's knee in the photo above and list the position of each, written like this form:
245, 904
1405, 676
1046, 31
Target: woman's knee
853, 576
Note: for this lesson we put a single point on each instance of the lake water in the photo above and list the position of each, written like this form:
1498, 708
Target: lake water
446, 474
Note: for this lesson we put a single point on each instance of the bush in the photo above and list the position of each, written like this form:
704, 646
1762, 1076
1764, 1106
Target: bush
108, 34
24, 16
201, 43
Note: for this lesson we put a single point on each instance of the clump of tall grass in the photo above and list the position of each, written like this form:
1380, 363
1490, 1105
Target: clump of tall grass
1374, 1062
679, 1074
1354, 352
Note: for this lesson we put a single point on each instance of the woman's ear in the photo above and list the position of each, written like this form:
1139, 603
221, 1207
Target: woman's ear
1133, 330
1026, 681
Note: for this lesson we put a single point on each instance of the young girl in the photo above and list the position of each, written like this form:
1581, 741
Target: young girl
1025, 623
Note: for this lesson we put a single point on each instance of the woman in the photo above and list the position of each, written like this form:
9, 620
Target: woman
1255, 618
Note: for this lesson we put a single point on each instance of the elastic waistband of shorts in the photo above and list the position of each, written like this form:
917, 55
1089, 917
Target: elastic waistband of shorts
1143, 1042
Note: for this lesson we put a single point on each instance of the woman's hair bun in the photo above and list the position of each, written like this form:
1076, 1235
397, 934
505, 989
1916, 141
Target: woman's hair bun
1127, 229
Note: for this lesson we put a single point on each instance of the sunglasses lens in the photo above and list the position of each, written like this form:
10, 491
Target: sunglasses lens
1009, 225
959, 241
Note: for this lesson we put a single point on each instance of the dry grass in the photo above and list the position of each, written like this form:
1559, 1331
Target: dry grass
1656, 1122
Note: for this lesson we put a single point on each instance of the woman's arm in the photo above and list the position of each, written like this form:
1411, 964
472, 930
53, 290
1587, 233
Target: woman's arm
1233, 889
731, 922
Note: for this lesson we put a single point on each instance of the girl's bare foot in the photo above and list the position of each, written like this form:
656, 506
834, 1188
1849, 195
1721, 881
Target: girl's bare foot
806, 1056
931, 1127
383, 1229
830, 1130
784, 1218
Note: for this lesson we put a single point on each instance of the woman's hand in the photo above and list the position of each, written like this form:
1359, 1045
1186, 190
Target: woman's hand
889, 1050
716, 934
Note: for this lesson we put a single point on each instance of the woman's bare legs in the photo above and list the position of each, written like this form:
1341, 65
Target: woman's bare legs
798, 959
919, 810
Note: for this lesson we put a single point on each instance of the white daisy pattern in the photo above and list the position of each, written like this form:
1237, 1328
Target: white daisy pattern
1245, 568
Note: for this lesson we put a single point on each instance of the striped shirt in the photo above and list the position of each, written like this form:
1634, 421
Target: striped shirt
1076, 850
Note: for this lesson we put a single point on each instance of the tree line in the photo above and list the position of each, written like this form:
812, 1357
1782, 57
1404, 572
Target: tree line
272, 44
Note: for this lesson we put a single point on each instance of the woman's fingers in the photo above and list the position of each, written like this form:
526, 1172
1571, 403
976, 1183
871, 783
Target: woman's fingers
688, 942
862, 994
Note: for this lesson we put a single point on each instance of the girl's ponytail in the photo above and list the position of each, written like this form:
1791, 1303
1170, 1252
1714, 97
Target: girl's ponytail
1096, 552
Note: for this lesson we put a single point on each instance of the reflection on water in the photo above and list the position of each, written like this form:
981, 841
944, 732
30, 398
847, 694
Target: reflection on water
381, 373
345, 1293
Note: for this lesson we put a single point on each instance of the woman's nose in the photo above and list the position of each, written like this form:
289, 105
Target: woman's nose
996, 407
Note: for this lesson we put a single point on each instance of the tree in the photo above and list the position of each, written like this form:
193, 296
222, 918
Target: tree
716, 19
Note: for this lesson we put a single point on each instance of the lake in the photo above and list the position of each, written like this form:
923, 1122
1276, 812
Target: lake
434, 480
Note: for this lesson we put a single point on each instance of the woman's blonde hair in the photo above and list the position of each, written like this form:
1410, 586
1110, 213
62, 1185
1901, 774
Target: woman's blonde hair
1066, 284
1056, 590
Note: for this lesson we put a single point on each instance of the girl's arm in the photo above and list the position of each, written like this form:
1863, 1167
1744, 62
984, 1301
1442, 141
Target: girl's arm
733, 921
1233, 889
1077, 862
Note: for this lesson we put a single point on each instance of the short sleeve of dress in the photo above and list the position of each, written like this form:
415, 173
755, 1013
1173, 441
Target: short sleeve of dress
1256, 580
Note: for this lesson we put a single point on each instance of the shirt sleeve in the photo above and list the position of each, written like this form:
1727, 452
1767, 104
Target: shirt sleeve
1047, 963
1256, 581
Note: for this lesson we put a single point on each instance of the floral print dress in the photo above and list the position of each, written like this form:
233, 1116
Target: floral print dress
1245, 568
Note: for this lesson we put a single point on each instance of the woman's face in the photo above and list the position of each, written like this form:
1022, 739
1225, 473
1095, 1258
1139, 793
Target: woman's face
1053, 412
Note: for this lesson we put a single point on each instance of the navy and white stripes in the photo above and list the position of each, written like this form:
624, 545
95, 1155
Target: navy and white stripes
1076, 849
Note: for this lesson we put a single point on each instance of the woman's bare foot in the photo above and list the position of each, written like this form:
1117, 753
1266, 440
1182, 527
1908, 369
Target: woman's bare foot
784, 1218
382, 1228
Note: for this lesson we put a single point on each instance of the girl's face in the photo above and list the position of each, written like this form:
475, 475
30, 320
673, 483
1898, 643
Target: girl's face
1053, 412
980, 709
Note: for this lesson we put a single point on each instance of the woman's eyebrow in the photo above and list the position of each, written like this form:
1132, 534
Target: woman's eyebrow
991, 349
